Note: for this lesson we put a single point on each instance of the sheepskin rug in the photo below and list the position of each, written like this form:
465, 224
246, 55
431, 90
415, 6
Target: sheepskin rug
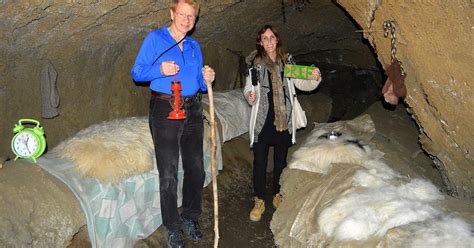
340, 192
111, 151
323, 149
320, 157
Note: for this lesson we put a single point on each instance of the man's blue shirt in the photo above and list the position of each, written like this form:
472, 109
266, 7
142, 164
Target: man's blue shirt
189, 61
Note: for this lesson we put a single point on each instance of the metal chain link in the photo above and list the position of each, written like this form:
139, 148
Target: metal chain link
389, 26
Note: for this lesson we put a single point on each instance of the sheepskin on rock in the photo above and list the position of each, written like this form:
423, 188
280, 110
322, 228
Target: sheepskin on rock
344, 194
342, 149
328, 152
111, 151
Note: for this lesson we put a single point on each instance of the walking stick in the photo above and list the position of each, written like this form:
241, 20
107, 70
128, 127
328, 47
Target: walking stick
213, 164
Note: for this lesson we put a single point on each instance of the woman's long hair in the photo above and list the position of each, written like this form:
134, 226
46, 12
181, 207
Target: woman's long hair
280, 51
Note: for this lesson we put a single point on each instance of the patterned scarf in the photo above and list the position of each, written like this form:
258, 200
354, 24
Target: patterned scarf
279, 105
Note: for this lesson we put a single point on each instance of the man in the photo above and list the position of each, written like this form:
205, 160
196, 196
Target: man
168, 54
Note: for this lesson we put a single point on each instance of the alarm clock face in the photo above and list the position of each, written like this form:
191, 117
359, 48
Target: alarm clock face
25, 144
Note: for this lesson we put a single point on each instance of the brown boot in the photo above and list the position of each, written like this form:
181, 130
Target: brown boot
258, 209
277, 199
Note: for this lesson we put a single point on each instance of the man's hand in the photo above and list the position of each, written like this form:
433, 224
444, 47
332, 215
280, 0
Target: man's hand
208, 74
169, 68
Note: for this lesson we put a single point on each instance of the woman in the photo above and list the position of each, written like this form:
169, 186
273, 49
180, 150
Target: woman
271, 98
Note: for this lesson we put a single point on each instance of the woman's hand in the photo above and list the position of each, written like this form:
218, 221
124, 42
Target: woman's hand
317, 74
251, 96
169, 68
208, 74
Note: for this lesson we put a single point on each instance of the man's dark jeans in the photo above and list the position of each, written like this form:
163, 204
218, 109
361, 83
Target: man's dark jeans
172, 137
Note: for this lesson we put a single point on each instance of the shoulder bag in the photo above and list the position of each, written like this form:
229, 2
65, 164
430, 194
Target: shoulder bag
299, 115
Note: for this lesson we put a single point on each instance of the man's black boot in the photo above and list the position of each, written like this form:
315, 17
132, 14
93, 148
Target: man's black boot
192, 228
175, 239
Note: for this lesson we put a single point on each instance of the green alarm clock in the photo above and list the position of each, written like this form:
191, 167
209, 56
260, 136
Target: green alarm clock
28, 143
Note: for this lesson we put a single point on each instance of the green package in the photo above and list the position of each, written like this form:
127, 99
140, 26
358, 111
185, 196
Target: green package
299, 71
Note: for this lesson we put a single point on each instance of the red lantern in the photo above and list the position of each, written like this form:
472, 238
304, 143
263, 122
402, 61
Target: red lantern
176, 102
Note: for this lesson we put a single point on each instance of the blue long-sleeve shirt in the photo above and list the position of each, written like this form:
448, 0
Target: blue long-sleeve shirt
189, 61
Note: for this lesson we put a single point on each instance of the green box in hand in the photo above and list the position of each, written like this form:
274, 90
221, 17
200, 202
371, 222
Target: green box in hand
299, 71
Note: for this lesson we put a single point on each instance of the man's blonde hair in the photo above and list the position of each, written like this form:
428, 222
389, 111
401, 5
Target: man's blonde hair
193, 3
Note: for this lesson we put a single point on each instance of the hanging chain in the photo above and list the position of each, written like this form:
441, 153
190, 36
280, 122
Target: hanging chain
389, 26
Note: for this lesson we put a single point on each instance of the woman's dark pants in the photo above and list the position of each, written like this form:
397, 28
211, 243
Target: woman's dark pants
260, 152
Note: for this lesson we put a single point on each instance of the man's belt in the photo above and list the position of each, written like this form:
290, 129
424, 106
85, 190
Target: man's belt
169, 97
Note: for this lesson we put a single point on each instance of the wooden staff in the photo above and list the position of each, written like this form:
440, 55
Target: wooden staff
212, 123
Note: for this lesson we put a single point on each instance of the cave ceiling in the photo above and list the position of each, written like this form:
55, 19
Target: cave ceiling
318, 29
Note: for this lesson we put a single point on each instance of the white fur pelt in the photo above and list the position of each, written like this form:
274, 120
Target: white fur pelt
444, 231
318, 152
322, 152
377, 207
111, 151
373, 204
381, 200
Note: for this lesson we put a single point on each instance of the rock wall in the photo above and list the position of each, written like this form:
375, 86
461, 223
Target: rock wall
435, 45
91, 56
36, 209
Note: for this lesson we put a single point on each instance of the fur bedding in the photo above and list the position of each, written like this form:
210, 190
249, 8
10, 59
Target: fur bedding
111, 151
320, 152
328, 152
118, 183
341, 193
